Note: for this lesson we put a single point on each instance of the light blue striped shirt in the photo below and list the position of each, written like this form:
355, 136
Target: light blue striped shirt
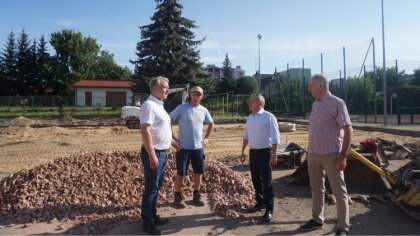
262, 130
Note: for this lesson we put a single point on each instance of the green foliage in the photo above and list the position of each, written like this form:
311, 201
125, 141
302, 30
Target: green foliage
23, 102
44, 63
106, 68
206, 82
78, 57
167, 47
409, 89
26, 67
23, 65
8, 67
295, 98
393, 79
75, 57
416, 79
360, 94
246, 85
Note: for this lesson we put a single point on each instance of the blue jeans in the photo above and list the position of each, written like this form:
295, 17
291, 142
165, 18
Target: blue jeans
153, 180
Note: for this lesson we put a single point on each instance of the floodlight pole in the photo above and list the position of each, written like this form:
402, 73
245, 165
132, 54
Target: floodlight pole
384, 67
259, 62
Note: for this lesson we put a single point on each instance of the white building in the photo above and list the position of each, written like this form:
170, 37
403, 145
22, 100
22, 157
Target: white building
100, 93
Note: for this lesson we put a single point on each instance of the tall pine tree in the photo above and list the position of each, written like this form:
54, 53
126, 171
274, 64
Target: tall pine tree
22, 63
167, 47
8, 66
2, 78
33, 75
44, 65
228, 81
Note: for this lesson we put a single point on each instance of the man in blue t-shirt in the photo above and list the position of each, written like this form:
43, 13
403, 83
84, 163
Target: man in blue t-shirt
190, 117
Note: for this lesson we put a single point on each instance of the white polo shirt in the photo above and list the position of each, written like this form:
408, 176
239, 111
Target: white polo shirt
152, 112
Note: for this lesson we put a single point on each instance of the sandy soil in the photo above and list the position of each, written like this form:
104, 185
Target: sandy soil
25, 148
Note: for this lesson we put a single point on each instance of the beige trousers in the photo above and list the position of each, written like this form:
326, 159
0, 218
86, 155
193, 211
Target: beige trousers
320, 165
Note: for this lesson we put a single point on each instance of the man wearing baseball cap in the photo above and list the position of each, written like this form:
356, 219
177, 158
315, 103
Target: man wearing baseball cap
190, 117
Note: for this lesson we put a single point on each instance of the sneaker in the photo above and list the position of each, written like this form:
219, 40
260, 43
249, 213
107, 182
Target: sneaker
197, 198
311, 225
341, 232
179, 201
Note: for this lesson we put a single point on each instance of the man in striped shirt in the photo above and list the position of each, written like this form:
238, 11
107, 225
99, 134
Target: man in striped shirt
330, 133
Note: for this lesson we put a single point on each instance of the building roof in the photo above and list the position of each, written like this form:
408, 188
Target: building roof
87, 83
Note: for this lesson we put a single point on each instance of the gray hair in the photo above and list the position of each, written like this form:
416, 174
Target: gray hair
259, 98
321, 80
156, 80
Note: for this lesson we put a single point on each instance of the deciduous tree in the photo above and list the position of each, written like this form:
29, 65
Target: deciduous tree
75, 58
246, 85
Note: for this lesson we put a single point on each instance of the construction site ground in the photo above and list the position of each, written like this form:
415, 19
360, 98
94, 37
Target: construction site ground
26, 147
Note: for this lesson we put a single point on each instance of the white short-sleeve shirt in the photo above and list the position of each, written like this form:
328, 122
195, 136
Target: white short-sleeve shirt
152, 112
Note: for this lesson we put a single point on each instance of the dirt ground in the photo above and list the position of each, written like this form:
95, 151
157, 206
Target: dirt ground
26, 147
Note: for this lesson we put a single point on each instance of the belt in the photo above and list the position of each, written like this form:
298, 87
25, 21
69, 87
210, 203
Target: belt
253, 150
157, 150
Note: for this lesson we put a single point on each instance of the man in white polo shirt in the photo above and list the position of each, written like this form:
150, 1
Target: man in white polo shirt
157, 139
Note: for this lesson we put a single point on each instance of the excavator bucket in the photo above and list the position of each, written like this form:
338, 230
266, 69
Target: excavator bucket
407, 188
405, 183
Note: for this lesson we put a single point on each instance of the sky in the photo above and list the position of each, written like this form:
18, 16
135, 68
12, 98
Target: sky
294, 32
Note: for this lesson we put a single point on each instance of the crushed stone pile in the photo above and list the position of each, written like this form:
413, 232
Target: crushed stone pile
103, 189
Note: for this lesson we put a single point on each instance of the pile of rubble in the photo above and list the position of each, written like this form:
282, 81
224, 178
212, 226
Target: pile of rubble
103, 189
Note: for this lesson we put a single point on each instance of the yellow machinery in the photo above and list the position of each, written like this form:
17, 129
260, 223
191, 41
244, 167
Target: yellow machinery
405, 185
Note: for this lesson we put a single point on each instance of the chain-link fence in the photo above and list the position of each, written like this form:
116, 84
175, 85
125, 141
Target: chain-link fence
404, 108
353, 76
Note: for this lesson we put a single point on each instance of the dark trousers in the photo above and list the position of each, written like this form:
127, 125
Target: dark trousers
153, 180
261, 176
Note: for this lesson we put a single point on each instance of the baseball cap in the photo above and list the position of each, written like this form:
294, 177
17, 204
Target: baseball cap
197, 89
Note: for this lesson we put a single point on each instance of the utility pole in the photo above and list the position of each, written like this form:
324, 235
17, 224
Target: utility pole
384, 67
259, 61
